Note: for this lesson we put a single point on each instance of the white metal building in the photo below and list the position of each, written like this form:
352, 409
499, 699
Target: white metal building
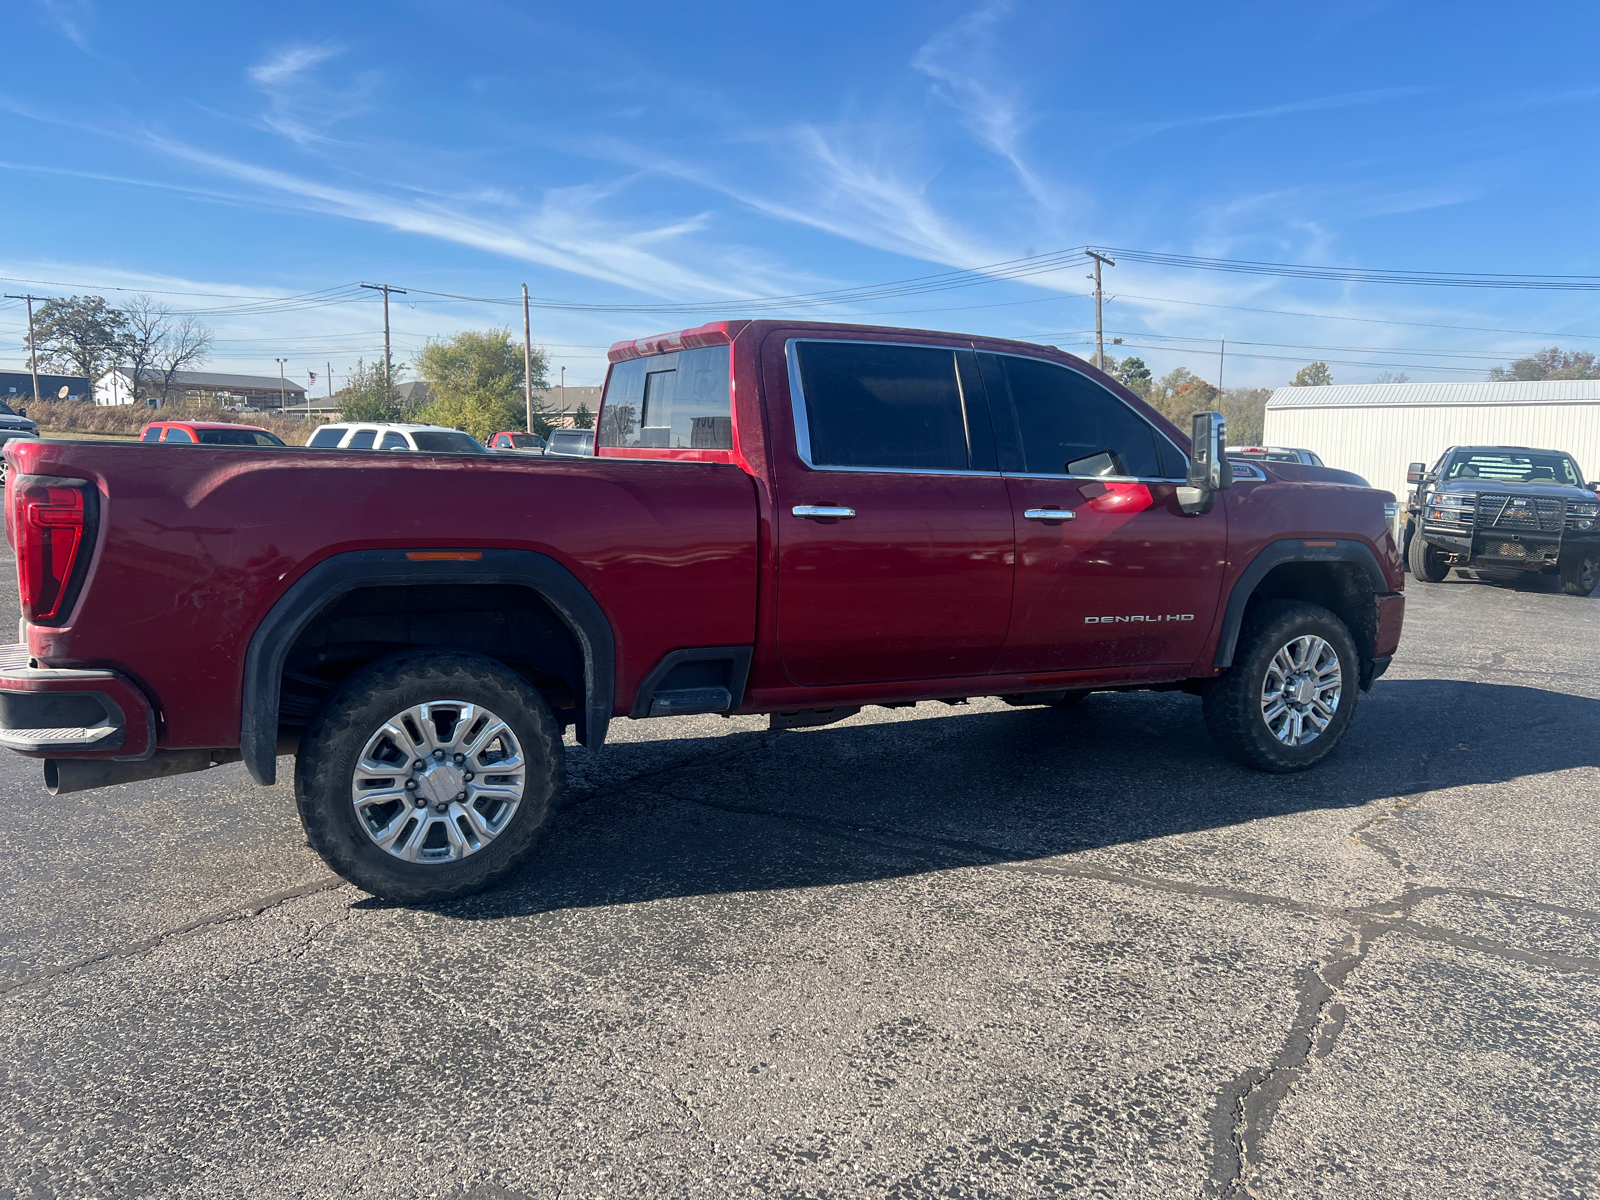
1375, 429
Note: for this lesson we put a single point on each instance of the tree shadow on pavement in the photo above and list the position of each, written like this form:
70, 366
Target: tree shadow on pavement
843, 804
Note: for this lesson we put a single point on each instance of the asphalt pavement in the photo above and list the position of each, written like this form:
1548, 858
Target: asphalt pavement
963, 951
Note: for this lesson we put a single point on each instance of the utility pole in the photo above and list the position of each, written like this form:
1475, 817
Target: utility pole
33, 353
527, 359
1222, 355
283, 392
1099, 327
563, 395
388, 363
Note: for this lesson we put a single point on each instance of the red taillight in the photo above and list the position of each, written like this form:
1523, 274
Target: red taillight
51, 521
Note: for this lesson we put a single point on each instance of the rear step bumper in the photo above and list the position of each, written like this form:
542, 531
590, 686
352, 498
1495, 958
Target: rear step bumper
53, 713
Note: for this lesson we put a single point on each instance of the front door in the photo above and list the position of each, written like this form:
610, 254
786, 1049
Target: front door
1110, 573
894, 530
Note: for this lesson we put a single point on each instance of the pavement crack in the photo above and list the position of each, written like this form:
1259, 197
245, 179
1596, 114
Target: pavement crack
244, 912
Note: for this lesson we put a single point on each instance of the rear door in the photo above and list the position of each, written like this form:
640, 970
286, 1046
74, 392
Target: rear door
1110, 573
894, 528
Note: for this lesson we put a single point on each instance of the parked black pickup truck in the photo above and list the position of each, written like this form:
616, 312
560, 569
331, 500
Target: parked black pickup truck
1504, 506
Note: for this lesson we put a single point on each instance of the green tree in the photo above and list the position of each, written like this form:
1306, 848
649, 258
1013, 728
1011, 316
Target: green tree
477, 382
583, 418
1313, 375
1134, 375
369, 396
80, 335
1245, 410
1550, 363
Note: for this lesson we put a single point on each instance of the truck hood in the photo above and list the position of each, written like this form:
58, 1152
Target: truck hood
28, 423
1304, 473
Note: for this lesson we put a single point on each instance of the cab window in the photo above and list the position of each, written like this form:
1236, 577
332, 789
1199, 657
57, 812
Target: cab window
326, 438
669, 402
178, 435
1050, 420
361, 439
906, 408
153, 434
394, 441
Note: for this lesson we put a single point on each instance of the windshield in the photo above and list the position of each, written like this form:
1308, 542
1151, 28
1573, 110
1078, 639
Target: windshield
1268, 455
238, 437
572, 441
1514, 466
430, 442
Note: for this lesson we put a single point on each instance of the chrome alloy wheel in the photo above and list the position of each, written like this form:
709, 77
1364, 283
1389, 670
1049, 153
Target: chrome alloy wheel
1302, 689
438, 781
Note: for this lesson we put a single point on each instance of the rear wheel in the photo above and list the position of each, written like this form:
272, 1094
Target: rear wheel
1291, 692
429, 775
1427, 563
1580, 573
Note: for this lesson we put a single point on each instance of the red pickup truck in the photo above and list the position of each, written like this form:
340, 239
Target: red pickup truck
794, 519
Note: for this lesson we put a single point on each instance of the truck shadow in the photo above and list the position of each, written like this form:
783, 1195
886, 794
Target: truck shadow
752, 811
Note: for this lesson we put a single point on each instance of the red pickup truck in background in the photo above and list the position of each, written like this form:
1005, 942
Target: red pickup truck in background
795, 519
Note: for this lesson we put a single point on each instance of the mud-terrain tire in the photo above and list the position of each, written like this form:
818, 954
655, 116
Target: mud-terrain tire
330, 772
1579, 574
1236, 704
1426, 563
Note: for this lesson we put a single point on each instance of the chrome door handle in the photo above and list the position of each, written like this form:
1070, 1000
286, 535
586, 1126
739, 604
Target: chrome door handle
1049, 514
822, 510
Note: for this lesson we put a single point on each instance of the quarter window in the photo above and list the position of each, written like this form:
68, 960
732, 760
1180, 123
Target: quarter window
325, 438
669, 402
1050, 420
907, 408
361, 439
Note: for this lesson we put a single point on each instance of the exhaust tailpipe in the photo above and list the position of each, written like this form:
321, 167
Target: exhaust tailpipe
63, 775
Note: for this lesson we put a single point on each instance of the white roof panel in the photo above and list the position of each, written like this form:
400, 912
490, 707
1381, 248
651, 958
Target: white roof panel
1386, 395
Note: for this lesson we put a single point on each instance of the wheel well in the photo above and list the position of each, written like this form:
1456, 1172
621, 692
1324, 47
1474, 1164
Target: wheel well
508, 622
1342, 587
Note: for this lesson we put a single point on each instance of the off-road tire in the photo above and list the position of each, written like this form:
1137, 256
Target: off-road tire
1232, 702
1579, 574
369, 697
1426, 563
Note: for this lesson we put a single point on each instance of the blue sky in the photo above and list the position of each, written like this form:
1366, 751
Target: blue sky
632, 154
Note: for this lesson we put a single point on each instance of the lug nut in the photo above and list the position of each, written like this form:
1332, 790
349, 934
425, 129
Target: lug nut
460, 758
468, 777
443, 806
461, 795
438, 754
419, 801
418, 765
411, 785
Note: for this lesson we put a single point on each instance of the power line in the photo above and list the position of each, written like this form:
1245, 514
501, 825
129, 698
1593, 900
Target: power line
1469, 279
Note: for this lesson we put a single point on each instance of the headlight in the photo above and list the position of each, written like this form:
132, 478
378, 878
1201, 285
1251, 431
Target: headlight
1584, 510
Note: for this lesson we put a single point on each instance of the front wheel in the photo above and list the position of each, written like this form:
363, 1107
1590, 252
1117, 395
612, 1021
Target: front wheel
429, 775
1426, 562
1291, 692
1580, 573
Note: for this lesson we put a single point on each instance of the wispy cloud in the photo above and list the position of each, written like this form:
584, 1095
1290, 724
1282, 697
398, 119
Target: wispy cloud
1315, 104
72, 18
300, 107
958, 60
563, 232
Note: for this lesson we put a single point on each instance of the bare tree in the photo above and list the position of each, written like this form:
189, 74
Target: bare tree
146, 328
186, 344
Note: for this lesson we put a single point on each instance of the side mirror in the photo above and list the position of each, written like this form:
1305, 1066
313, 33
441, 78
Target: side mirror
1209, 470
1593, 487
1415, 472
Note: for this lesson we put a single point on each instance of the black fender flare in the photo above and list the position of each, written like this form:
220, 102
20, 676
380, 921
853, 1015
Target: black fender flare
1275, 554
344, 573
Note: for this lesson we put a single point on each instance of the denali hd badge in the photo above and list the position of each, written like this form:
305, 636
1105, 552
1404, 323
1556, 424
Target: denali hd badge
1136, 617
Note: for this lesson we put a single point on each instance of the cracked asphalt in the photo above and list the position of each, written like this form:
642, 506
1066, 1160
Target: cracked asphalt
958, 952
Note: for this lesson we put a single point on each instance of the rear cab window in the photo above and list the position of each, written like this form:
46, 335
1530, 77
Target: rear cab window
676, 405
879, 406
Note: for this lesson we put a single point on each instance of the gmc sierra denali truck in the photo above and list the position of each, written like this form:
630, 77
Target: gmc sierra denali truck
794, 519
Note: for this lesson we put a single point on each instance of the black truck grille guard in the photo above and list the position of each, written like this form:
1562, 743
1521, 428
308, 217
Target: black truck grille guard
1519, 514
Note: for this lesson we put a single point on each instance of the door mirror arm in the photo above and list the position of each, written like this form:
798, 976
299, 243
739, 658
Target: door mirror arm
1209, 469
